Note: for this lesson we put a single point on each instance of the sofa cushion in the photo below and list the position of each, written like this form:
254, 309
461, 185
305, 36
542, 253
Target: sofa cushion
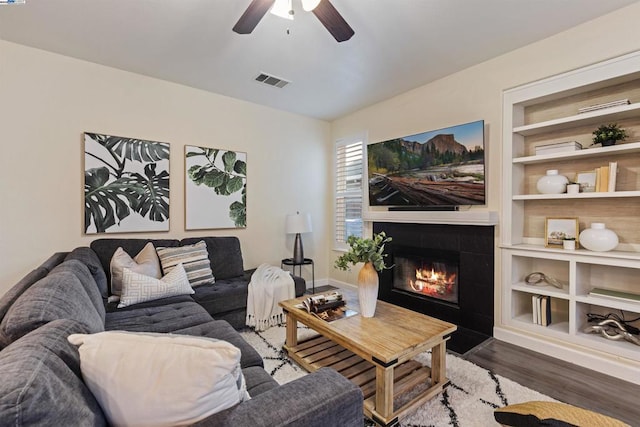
194, 258
88, 257
144, 262
258, 380
225, 255
162, 315
226, 295
41, 381
200, 376
18, 289
222, 330
105, 248
137, 288
82, 272
56, 296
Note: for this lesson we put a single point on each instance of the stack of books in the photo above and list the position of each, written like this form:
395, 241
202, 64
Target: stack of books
558, 147
541, 308
619, 295
604, 105
606, 177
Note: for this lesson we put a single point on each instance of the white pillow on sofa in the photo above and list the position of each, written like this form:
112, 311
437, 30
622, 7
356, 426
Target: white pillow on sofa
147, 379
137, 288
145, 262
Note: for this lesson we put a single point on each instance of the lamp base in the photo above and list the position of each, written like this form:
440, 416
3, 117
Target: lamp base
298, 252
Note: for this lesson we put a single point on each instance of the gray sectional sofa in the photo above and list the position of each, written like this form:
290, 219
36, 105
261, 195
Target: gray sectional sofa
40, 370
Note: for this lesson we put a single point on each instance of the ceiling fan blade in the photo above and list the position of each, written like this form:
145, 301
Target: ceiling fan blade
333, 21
250, 18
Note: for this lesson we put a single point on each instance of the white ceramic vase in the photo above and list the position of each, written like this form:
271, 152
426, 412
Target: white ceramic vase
552, 183
368, 290
598, 238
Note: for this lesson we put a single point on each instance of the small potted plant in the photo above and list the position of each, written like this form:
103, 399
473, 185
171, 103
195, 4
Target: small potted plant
371, 253
608, 134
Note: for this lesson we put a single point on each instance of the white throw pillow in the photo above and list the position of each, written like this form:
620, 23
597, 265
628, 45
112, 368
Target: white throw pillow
147, 379
146, 262
194, 258
137, 288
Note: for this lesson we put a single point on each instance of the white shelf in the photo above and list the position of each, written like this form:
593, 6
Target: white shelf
592, 195
609, 303
470, 217
581, 269
632, 147
593, 117
547, 290
621, 255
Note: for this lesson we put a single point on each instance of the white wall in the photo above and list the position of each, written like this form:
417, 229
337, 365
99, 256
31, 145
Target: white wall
47, 101
476, 93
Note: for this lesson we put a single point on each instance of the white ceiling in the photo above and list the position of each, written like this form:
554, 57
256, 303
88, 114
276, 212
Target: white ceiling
398, 44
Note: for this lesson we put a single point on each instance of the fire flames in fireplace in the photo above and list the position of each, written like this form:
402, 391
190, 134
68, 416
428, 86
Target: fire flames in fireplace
427, 276
436, 284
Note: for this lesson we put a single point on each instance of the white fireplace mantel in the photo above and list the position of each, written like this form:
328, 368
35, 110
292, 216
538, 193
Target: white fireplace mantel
470, 217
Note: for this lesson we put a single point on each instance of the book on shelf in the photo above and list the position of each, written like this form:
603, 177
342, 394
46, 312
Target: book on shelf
606, 177
604, 105
558, 147
619, 295
541, 310
613, 174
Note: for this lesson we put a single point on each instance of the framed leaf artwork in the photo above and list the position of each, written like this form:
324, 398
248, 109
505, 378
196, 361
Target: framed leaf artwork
126, 184
215, 188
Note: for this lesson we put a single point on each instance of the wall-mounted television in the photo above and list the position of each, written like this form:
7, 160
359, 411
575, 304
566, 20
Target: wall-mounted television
438, 168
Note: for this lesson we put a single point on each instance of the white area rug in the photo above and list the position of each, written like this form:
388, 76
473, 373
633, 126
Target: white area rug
468, 401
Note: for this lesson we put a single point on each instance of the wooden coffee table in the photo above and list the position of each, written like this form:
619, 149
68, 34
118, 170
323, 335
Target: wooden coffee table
375, 353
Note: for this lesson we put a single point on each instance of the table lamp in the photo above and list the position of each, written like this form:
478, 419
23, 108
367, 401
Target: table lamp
296, 224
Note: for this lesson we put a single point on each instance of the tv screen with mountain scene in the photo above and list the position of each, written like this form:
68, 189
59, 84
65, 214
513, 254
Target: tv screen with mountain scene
444, 167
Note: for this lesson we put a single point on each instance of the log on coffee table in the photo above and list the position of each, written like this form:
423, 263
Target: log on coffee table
375, 353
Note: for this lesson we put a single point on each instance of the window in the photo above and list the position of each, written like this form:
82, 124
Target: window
348, 191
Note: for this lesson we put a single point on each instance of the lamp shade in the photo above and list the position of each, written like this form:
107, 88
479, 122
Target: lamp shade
298, 223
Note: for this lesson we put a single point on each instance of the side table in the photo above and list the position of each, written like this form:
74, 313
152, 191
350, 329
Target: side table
305, 261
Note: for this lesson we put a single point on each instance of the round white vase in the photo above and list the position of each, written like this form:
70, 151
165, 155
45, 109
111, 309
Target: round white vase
368, 290
598, 238
552, 183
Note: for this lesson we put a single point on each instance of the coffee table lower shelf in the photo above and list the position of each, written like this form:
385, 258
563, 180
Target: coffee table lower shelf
319, 352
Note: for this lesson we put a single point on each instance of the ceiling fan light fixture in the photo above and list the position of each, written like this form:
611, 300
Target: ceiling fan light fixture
283, 9
309, 5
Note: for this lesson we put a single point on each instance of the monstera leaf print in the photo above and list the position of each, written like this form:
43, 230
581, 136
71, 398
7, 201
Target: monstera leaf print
127, 180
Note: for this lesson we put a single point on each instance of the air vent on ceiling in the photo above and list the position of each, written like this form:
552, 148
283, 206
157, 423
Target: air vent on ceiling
271, 80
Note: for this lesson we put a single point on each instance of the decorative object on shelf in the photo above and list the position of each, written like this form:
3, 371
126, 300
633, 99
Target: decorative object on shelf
552, 183
371, 253
573, 188
613, 330
556, 230
598, 238
569, 243
603, 106
607, 135
540, 279
297, 224
587, 181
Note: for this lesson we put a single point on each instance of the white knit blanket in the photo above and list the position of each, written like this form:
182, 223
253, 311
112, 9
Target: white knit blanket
268, 286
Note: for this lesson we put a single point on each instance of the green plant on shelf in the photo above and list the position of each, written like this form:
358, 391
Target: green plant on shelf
609, 134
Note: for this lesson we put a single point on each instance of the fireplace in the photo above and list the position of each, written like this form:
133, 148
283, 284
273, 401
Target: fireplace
444, 271
427, 273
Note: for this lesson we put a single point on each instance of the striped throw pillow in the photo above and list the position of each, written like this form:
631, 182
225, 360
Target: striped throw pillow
194, 258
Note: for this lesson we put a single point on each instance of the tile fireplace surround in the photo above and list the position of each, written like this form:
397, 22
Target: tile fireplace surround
474, 247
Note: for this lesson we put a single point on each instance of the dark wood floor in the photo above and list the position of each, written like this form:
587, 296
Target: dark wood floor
561, 380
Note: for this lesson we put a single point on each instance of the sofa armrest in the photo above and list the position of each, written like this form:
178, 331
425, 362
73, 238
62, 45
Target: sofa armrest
322, 398
299, 283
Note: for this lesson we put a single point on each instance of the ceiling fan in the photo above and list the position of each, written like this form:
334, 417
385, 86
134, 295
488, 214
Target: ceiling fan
322, 9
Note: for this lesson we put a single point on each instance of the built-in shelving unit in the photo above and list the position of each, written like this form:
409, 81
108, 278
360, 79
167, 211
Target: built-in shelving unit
544, 112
